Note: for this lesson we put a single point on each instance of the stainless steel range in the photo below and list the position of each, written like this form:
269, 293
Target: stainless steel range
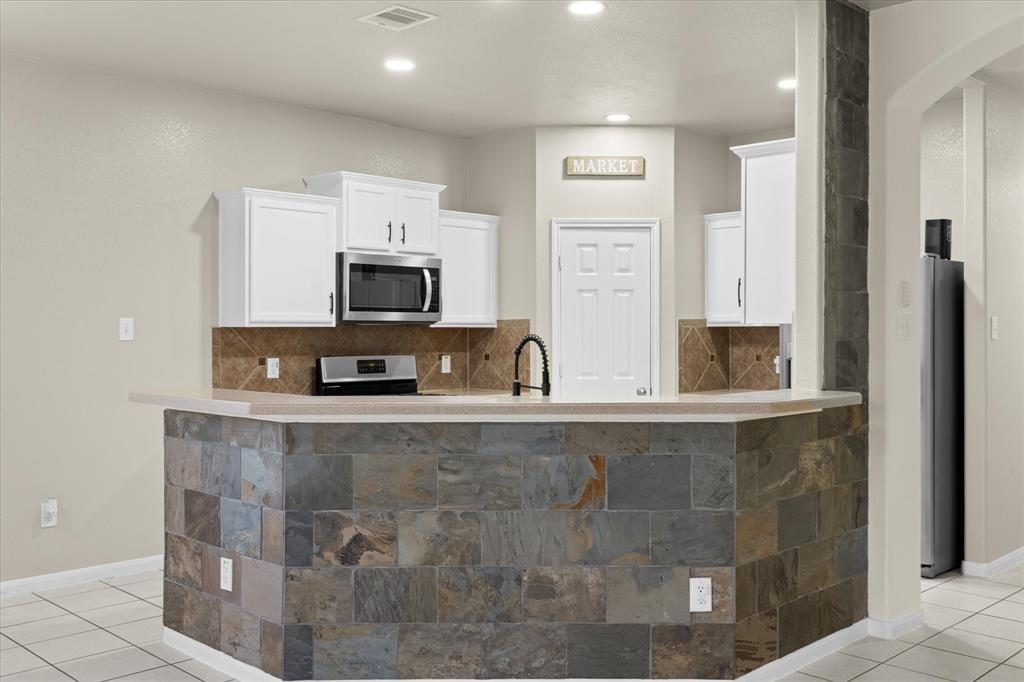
366, 375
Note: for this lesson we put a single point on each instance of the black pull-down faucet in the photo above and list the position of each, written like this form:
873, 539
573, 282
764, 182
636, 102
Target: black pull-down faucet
545, 377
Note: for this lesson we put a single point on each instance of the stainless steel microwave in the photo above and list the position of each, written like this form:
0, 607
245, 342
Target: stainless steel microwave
378, 288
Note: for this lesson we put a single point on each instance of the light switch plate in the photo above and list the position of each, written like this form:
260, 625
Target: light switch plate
700, 595
126, 329
995, 327
48, 513
225, 574
903, 328
273, 368
446, 364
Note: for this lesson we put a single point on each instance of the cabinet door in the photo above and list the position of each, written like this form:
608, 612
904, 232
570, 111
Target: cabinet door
769, 211
369, 217
469, 273
724, 284
291, 262
416, 222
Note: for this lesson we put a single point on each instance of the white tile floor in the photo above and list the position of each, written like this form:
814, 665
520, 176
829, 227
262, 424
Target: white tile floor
974, 630
93, 632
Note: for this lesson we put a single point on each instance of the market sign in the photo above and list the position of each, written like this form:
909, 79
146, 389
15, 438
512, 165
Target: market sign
604, 166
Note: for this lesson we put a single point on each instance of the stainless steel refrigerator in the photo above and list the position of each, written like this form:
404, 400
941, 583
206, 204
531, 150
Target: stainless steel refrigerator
942, 416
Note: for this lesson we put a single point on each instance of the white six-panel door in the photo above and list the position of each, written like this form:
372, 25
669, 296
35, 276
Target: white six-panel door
604, 312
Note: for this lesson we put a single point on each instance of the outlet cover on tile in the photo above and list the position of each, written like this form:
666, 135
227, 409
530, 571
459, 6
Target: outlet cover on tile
446, 364
225, 574
273, 368
700, 595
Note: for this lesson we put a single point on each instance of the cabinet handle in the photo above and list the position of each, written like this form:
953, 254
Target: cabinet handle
389, 232
403, 233
332, 303
739, 283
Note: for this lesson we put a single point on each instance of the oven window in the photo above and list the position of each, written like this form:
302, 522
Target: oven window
385, 288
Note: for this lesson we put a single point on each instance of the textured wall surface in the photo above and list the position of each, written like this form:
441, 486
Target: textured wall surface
714, 358
846, 198
513, 550
481, 358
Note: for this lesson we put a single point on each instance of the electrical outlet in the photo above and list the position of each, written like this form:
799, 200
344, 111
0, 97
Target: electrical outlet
446, 364
903, 328
48, 513
126, 329
273, 368
995, 327
225, 574
700, 595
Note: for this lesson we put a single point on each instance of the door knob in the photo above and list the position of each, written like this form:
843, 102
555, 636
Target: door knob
641, 391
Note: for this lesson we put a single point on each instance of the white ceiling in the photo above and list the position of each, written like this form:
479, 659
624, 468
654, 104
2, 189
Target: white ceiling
709, 65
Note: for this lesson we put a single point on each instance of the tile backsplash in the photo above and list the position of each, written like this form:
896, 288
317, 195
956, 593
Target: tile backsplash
712, 358
481, 358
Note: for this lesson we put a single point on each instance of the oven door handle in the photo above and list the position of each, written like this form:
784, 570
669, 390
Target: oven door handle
429, 288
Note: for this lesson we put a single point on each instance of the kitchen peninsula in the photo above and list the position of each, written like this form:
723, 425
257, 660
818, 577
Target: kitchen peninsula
489, 536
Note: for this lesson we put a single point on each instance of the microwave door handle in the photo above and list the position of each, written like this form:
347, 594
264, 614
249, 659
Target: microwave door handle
429, 288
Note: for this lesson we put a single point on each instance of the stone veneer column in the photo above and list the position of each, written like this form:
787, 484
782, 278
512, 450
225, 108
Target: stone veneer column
845, 351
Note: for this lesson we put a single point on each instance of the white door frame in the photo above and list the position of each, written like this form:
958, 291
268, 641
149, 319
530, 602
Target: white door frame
653, 225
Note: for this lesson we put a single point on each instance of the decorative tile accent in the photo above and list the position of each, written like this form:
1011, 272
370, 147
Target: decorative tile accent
752, 353
481, 358
703, 356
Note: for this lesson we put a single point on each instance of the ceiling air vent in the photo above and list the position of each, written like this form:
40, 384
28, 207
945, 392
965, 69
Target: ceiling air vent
398, 18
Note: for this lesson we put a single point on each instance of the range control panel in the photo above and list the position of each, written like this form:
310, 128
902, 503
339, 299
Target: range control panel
371, 366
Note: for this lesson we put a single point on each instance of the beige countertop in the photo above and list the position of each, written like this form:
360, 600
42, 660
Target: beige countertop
492, 406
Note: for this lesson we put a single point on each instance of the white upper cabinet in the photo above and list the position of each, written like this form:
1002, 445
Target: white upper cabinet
277, 259
724, 256
469, 270
382, 215
762, 289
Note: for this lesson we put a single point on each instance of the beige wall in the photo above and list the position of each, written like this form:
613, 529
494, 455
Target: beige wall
919, 51
502, 183
702, 169
942, 168
652, 197
1004, 243
107, 212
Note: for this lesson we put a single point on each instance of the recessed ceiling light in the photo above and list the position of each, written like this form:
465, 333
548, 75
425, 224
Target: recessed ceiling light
617, 118
399, 65
787, 84
586, 7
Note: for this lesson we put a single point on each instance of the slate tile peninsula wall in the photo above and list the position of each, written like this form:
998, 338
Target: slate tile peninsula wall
525, 550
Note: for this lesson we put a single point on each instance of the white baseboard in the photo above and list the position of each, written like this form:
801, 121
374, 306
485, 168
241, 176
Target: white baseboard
789, 664
897, 627
219, 660
50, 581
992, 568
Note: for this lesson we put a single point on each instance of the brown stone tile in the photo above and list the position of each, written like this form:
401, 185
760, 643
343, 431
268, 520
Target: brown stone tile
746, 479
211, 557
798, 518
240, 634
817, 465
851, 458
815, 565
318, 595
428, 538
271, 648
343, 652
757, 641
776, 580
835, 608
201, 619
395, 481
746, 590
202, 517
183, 462
441, 650
470, 594
756, 533
183, 560
835, 511
262, 588
798, 623
722, 592
648, 594
526, 650
608, 650
696, 651
396, 595
355, 538
174, 509
272, 544
860, 503
607, 438
573, 594
778, 473
174, 606
859, 597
